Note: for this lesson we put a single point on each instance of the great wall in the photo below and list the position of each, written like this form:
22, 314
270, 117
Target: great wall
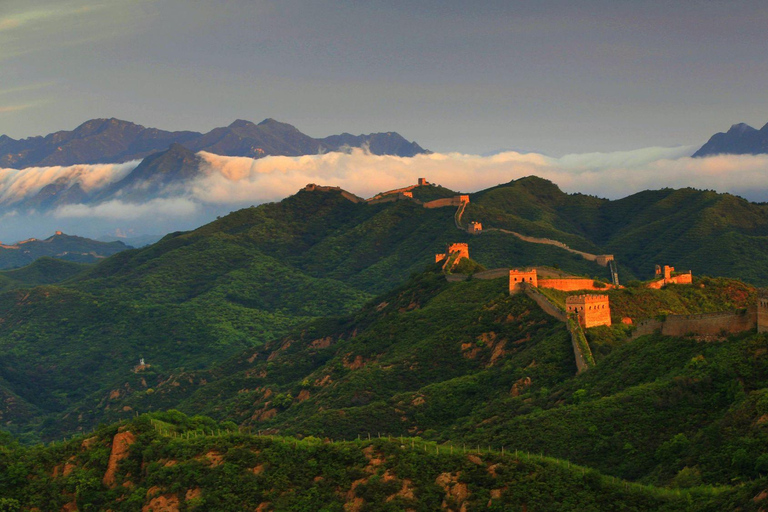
581, 311
586, 310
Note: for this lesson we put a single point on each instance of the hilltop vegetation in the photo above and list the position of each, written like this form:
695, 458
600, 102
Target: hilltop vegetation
706, 295
43, 271
175, 462
467, 363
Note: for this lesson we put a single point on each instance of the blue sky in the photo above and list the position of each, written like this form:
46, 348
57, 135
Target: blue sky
549, 76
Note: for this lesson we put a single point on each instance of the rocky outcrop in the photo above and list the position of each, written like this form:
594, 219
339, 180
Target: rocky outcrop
121, 445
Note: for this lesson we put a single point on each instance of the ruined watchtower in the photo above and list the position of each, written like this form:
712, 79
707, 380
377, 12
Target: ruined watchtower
592, 310
664, 277
423, 182
453, 254
475, 228
518, 277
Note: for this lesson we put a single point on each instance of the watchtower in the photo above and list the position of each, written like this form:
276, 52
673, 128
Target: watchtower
475, 228
518, 277
591, 310
603, 259
455, 253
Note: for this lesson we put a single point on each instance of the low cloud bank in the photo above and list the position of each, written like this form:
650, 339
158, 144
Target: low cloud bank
19, 184
228, 183
118, 210
612, 175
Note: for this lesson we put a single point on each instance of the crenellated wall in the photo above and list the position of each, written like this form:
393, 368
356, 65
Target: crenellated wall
447, 201
572, 284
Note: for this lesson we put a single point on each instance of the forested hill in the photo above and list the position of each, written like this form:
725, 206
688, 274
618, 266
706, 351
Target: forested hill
700, 230
327, 317
196, 298
173, 462
467, 363
59, 246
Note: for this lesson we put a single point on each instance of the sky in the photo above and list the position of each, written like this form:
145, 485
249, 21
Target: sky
554, 77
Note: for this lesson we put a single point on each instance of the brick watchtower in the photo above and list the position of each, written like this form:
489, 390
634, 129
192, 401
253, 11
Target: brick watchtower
592, 310
518, 277
475, 228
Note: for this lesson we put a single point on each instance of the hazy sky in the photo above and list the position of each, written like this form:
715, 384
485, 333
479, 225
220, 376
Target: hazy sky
549, 76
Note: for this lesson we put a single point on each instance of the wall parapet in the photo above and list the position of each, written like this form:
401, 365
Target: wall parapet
549, 307
581, 351
701, 324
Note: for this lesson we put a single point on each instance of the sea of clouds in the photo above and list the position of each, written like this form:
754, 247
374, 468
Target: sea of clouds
227, 183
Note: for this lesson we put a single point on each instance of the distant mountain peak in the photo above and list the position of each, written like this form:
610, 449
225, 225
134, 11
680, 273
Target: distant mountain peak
275, 125
176, 149
104, 123
740, 139
741, 128
241, 123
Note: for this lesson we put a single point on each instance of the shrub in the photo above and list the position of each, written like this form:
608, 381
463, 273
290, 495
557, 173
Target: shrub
687, 477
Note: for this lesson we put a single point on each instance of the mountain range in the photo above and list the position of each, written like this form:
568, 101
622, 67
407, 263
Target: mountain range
254, 275
59, 246
113, 140
326, 318
740, 139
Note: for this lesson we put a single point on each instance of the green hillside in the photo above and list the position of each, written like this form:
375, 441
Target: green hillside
700, 230
467, 363
42, 272
197, 298
59, 246
318, 316
174, 462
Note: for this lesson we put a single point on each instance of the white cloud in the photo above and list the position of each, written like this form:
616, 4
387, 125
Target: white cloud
612, 175
118, 210
231, 182
16, 185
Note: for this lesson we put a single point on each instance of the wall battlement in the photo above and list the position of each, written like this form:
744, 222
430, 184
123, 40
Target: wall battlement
313, 187
566, 284
703, 324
